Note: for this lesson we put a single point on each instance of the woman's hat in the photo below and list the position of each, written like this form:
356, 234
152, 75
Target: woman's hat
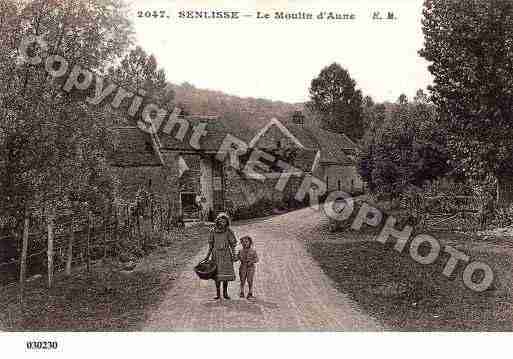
224, 216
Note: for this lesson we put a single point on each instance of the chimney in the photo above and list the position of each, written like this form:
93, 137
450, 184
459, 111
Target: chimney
298, 118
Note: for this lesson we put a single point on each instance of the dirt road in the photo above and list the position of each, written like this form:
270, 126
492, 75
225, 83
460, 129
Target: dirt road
292, 291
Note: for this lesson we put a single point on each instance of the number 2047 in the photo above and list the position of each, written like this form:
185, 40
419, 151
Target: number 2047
41, 345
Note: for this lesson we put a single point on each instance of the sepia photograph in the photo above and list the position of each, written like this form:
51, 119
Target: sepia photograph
292, 166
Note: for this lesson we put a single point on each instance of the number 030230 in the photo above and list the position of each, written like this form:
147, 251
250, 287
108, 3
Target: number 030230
42, 345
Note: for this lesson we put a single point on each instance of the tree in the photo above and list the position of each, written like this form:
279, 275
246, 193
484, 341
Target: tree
408, 150
421, 97
470, 46
334, 97
138, 72
402, 100
368, 102
51, 141
374, 118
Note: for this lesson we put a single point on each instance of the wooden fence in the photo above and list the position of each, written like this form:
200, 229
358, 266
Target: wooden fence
460, 213
76, 237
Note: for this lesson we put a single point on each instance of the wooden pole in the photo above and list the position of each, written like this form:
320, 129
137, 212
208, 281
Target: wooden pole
161, 223
129, 230
105, 233
138, 228
50, 252
24, 250
151, 215
69, 258
88, 245
116, 223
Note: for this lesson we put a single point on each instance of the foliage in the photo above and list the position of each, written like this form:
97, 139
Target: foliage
374, 116
334, 96
51, 143
139, 72
407, 148
502, 217
470, 46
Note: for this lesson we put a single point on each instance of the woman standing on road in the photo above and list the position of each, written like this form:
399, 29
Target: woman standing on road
222, 244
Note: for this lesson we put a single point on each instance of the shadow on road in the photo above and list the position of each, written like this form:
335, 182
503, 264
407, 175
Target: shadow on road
242, 305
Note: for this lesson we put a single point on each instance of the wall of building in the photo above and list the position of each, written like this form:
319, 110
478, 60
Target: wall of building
243, 193
341, 178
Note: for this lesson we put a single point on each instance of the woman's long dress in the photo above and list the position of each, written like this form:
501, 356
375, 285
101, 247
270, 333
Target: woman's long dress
222, 245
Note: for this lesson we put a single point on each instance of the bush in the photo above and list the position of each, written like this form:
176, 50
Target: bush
502, 217
261, 208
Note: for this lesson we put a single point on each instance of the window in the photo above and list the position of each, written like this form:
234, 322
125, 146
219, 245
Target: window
116, 141
148, 147
339, 185
188, 199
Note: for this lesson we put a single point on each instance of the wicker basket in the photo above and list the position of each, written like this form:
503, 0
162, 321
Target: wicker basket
206, 270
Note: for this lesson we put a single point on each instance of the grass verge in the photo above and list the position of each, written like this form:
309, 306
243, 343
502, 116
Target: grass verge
408, 296
105, 299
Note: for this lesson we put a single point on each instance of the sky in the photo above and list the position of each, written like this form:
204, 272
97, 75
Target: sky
277, 59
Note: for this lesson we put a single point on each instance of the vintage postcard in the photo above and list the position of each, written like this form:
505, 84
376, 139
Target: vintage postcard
255, 166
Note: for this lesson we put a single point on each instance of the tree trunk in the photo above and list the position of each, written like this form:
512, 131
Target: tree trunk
24, 250
50, 252
105, 219
128, 224
504, 191
69, 258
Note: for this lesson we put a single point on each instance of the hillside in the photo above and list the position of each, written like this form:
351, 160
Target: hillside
248, 113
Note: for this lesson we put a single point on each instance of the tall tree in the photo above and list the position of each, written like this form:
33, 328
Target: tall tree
402, 100
409, 149
334, 97
139, 73
52, 141
470, 46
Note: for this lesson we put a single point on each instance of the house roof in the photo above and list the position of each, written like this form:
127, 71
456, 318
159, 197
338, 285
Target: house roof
131, 147
216, 130
334, 147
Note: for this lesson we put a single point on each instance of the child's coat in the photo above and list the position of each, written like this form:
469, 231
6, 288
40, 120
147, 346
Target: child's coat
248, 258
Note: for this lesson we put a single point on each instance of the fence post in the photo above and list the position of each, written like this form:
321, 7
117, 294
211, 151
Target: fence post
70, 249
161, 212
116, 223
139, 232
152, 221
50, 253
128, 226
88, 245
24, 250
105, 219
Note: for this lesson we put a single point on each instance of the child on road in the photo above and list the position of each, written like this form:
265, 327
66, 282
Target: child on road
248, 257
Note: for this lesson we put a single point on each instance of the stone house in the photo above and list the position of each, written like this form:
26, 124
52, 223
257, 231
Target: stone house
172, 169
335, 160
177, 165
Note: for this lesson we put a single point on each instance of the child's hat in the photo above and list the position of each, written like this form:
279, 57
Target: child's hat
247, 238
